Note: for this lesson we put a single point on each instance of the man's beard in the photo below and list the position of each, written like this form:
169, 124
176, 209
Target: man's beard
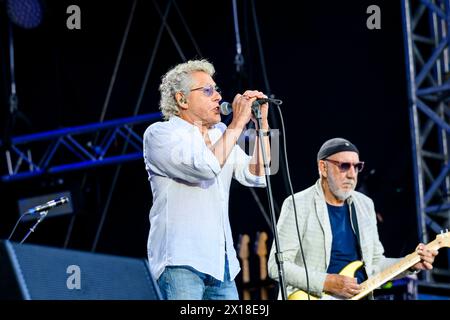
339, 194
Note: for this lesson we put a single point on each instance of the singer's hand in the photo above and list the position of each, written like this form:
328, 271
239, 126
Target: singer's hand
253, 95
242, 109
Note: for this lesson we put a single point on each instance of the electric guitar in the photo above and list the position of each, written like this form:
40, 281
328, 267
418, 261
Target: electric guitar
374, 282
244, 254
261, 251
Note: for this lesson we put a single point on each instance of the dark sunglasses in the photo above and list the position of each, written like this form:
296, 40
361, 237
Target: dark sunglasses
208, 90
345, 166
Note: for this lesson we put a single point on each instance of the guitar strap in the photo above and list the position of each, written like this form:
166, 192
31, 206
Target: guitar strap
355, 225
356, 230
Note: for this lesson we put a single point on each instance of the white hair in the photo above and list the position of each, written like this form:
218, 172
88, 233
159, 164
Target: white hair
179, 79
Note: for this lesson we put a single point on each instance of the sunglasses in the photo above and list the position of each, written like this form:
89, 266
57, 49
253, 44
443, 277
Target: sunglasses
345, 166
208, 90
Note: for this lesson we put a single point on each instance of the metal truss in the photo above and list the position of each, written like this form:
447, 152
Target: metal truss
75, 148
426, 32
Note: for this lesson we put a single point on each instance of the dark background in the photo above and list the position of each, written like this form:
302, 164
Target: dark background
335, 77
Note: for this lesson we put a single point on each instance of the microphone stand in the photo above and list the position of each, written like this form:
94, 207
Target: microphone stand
42, 217
278, 255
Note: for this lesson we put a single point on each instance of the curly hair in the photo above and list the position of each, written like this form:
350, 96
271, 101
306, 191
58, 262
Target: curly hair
178, 79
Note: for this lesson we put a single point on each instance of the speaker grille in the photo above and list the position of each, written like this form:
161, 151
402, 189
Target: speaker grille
44, 271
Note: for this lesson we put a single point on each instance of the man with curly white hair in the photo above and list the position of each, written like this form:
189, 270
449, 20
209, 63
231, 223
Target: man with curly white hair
190, 159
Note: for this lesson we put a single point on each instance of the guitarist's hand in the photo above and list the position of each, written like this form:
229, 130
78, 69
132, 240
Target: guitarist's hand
426, 258
341, 286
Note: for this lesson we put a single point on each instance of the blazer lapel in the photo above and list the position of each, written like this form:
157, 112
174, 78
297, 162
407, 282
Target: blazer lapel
324, 220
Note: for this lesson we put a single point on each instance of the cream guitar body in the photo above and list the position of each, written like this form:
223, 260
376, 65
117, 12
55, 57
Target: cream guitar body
349, 271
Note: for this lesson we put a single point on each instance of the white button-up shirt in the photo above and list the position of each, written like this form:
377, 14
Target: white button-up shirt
189, 223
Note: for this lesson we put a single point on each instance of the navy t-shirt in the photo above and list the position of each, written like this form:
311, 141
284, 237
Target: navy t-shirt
344, 248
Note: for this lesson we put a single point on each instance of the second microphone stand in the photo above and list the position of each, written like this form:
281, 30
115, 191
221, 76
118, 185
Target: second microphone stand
42, 217
278, 255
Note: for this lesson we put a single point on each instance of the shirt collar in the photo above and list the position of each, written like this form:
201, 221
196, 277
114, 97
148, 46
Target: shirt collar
184, 124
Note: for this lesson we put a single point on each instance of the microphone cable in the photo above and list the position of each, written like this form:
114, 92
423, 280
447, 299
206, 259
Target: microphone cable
293, 201
15, 227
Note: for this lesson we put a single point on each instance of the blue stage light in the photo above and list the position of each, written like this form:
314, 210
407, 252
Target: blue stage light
27, 14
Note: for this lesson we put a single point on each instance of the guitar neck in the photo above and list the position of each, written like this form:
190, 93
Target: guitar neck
245, 271
262, 268
382, 277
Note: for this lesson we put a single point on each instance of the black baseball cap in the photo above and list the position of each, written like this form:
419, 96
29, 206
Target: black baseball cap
335, 145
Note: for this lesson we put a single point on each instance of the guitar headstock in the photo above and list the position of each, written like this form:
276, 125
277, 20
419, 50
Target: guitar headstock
244, 240
443, 239
260, 245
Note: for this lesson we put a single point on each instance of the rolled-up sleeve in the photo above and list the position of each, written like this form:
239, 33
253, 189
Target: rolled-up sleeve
241, 170
178, 154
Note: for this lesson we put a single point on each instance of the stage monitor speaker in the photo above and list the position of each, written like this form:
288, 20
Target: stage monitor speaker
44, 273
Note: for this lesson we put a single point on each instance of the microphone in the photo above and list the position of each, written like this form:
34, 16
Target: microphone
36, 211
226, 108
